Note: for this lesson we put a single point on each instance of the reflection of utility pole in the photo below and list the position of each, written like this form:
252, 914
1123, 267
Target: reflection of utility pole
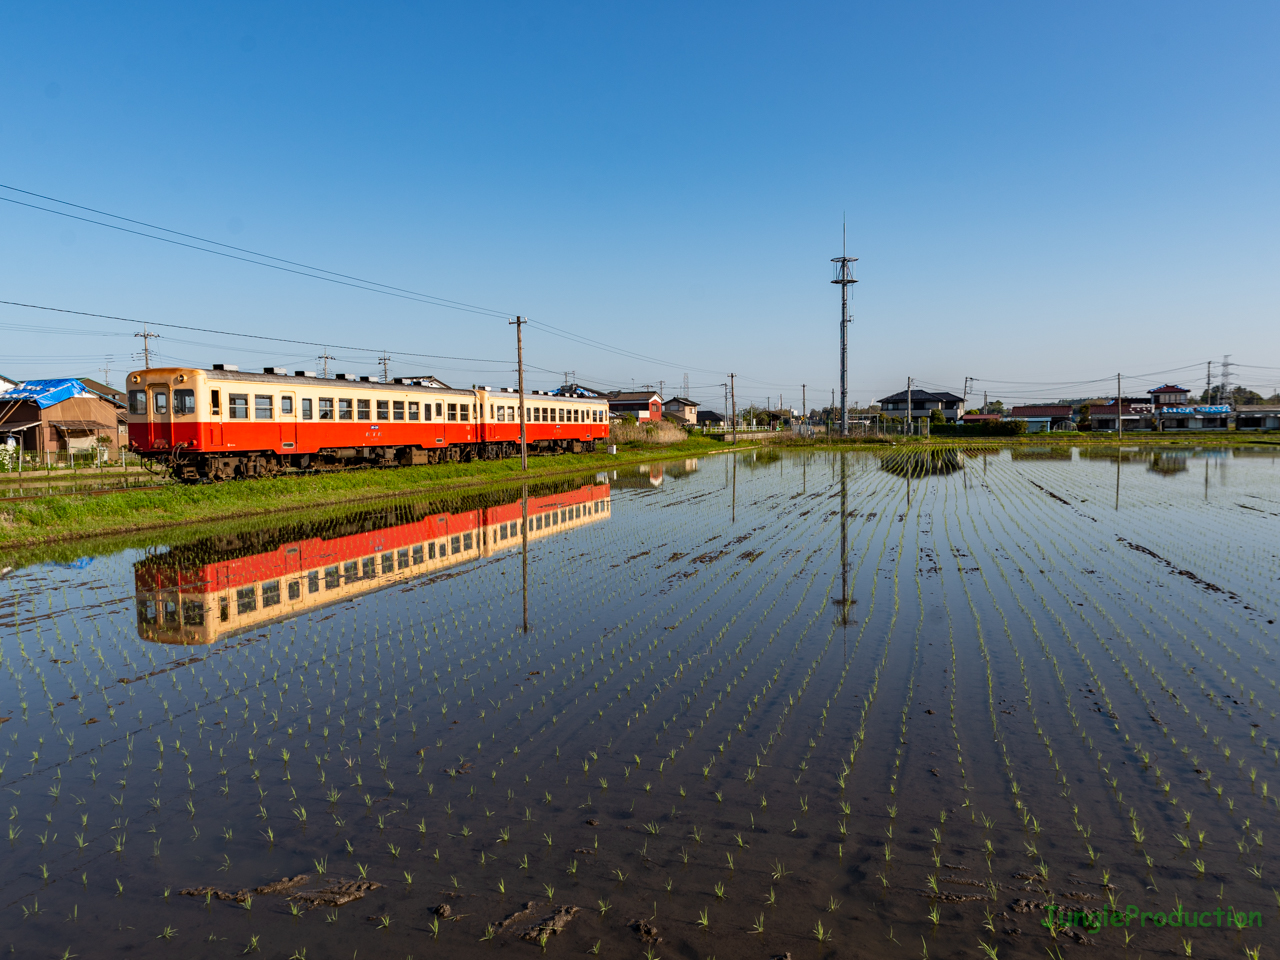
524, 451
733, 401
1119, 430
524, 533
146, 350
325, 358
844, 277
844, 543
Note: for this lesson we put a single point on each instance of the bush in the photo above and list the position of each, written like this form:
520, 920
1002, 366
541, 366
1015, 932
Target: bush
988, 428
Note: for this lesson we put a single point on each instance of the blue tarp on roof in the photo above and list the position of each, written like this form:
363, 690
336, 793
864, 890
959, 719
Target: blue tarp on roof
46, 392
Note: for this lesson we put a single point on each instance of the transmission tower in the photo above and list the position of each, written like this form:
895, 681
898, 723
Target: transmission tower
844, 277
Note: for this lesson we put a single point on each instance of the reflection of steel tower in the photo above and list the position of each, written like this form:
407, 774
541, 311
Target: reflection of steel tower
844, 277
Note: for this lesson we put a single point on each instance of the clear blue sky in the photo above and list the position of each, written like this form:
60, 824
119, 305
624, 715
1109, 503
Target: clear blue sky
1039, 193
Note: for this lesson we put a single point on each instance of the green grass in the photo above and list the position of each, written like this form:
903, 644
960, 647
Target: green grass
50, 520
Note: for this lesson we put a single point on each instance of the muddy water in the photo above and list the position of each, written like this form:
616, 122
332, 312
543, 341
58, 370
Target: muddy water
825, 705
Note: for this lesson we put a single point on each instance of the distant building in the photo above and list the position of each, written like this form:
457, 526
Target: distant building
103, 390
6, 383
923, 403
641, 404
682, 409
709, 417
980, 418
1042, 417
60, 416
1260, 416
1170, 395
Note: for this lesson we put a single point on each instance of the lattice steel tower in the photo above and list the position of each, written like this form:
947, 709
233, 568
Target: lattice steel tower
844, 277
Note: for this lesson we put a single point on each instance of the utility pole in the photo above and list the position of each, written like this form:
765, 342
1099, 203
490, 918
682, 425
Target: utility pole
384, 360
1119, 414
844, 277
146, 350
325, 358
662, 386
907, 425
965, 402
733, 399
984, 408
106, 374
685, 387
804, 404
1208, 378
1225, 396
524, 452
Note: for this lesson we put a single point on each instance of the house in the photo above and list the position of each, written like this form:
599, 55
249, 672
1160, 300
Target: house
1133, 410
60, 416
923, 403
1261, 416
709, 418
641, 404
103, 390
1042, 417
980, 418
1170, 395
6, 383
682, 409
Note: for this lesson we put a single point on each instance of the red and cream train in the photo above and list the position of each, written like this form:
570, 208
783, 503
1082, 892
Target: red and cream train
220, 424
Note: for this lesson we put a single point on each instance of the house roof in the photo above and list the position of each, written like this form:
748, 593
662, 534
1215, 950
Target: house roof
1042, 410
1169, 388
635, 396
710, 416
104, 391
46, 393
683, 401
980, 417
924, 396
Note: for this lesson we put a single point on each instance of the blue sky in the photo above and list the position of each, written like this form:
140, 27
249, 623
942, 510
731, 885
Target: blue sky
1040, 194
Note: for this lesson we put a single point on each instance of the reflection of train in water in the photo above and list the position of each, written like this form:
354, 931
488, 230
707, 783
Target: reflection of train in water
206, 591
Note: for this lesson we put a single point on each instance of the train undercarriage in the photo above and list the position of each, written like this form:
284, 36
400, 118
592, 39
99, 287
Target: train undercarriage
196, 467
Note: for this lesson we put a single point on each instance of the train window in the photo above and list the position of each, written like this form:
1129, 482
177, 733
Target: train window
306, 409
239, 406
502, 414
563, 414
456, 543
224, 609
384, 410
138, 402
537, 522
286, 404
466, 541
326, 408
215, 403
193, 613
246, 599
431, 551
160, 402
502, 532
426, 411
463, 411
511, 414
388, 563
184, 401
344, 409
397, 409
402, 558
270, 594
369, 565
295, 589
453, 412
351, 571
170, 613
262, 406
331, 578
417, 553
362, 409
413, 410
439, 407
313, 581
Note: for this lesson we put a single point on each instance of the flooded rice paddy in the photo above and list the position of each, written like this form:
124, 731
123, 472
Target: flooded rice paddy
823, 705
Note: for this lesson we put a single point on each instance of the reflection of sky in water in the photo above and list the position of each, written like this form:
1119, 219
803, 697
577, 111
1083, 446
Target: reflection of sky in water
689, 694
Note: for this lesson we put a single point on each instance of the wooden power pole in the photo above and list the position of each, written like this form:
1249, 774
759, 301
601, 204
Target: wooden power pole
524, 451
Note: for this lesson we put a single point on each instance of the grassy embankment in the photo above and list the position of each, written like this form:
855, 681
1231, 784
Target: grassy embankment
1077, 439
71, 517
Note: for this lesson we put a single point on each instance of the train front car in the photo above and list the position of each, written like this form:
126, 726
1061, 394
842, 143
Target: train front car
222, 424
556, 424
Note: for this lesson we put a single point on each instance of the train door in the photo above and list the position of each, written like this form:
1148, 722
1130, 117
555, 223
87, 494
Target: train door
215, 419
158, 416
288, 422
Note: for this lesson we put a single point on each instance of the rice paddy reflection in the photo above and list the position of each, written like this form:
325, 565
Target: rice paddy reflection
820, 704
